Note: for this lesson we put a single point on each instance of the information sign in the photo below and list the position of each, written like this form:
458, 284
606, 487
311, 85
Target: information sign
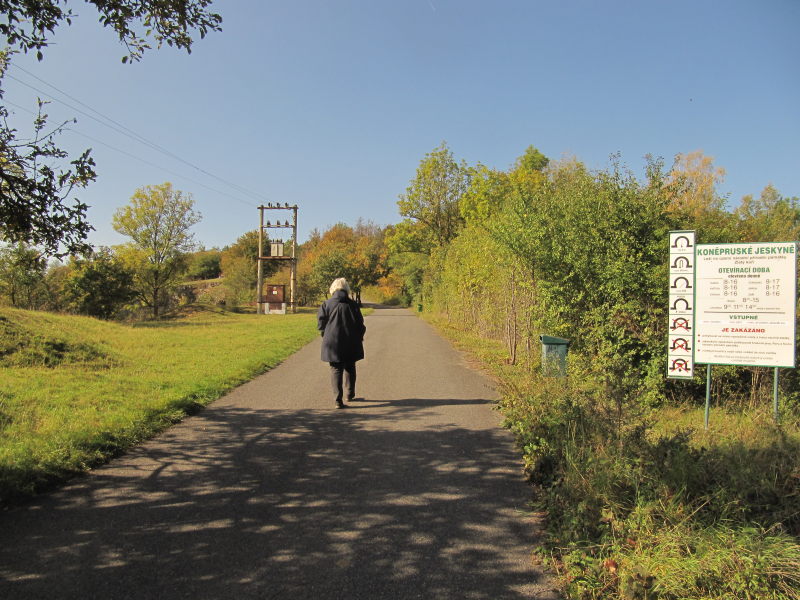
680, 345
744, 300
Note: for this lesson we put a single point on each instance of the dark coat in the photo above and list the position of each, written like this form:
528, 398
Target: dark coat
342, 326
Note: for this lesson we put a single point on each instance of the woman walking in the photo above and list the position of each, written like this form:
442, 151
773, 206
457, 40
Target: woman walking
341, 323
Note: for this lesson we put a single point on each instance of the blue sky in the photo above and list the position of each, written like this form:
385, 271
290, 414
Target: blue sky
332, 104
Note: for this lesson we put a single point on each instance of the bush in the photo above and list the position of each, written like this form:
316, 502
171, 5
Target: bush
626, 500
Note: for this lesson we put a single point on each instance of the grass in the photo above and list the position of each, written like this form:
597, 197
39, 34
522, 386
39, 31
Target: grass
75, 391
655, 507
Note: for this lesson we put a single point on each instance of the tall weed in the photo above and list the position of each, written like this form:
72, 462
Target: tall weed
625, 500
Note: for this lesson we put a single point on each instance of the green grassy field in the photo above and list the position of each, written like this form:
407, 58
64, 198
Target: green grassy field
75, 391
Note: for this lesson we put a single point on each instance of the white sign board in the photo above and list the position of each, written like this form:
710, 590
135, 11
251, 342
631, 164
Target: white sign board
745, 297
680, 363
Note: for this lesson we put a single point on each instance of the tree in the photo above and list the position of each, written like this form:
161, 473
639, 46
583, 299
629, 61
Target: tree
35, 203
355, 253
158, 220
205, 264
532, 160
768, 218
434, 194
100, 285
30, 24
691, 187
489, 188
408, 248
33, 194
22, 274
240, 268
55, 297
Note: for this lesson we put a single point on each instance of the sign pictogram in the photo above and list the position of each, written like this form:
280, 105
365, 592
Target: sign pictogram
680, 345
680, 324
679, 367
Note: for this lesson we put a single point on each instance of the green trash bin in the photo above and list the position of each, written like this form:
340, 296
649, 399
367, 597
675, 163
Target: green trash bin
554, 356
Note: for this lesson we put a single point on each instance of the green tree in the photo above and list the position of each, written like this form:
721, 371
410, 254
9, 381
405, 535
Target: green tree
22, 275
408, 248
29, 25
532, 160
35, 205
205, 264
768, 218
239, 265
54, 283
158, 220
591, 245
433, 196
475, 280
33, 194
408, 236
486, 193
490, 188
100, 285
240, 269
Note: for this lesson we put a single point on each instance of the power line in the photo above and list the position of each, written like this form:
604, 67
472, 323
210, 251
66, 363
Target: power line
129, 131
122, 129
126, 131
140, 159
22, 108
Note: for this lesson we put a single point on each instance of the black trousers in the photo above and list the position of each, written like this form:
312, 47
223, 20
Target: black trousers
343, 371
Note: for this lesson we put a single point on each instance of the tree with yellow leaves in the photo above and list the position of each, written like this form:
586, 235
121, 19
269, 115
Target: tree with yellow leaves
692, 197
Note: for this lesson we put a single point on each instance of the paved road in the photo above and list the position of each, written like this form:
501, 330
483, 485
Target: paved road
413, 492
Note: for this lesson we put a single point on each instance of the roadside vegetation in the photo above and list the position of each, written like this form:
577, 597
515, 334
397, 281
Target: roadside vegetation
75, 391
641, 501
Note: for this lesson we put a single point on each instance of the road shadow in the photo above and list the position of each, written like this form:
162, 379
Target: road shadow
412, 403
386, 307
289, 504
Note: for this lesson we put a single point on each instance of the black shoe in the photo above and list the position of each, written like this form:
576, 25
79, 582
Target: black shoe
340, 404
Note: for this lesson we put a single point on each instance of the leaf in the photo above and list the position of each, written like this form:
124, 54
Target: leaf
610, 565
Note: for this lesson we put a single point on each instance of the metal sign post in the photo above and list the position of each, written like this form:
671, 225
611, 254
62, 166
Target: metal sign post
708, 394
775, 396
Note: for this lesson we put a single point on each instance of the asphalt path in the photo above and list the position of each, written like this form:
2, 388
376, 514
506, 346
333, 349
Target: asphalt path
414, 491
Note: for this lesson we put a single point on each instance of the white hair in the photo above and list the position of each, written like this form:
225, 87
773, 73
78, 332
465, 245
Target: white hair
339, 284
